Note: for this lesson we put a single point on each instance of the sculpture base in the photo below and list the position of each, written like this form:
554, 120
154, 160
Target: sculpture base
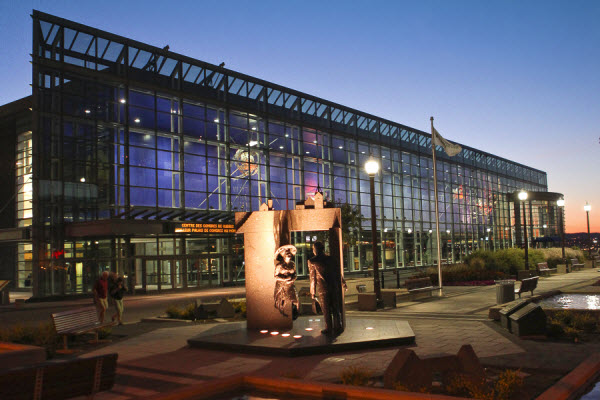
305, 338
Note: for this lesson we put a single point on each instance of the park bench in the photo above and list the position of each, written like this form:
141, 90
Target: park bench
59, 380
419, 287
78, 322
575, 265
527, 285
544, 270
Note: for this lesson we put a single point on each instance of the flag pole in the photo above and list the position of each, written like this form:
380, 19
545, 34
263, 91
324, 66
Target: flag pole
437, 215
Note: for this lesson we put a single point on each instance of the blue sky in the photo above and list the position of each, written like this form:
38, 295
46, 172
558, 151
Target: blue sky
519, 79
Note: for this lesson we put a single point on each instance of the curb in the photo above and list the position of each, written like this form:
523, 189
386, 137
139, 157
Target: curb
575, 382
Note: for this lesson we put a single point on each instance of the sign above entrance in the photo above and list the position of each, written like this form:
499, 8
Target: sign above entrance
204, 228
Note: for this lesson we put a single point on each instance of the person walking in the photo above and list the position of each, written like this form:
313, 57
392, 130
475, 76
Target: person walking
117, 295
100, 291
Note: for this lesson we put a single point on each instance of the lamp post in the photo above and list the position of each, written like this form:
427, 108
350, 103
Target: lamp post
561, 203
587, 209
372, 167
523, 197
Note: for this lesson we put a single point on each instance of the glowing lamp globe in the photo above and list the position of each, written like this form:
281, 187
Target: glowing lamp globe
372, 166
587, 207
560, 203
522, 195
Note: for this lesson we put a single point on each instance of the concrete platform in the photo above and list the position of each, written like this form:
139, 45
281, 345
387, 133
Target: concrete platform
305, 338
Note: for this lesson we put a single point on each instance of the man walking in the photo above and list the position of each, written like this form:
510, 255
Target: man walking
100, 291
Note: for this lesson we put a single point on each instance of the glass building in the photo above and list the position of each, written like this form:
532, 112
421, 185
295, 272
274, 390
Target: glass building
133, 158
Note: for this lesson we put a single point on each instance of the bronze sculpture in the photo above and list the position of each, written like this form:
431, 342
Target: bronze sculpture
285, 276
326, 280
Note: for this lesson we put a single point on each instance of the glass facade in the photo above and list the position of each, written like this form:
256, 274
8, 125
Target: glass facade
126, 131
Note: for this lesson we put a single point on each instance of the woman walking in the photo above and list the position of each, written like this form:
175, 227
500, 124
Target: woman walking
117, 295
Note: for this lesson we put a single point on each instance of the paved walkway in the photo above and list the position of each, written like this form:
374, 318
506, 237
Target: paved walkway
158, 359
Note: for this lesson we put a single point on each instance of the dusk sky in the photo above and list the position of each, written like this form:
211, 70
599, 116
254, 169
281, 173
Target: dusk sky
518, 79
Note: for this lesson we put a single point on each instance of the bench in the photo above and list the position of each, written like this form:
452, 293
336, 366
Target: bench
419, 287
575, 265
527, 285
544, 270
59, 380
77, 322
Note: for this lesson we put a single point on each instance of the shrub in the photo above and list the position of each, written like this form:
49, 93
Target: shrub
564, 317
554, 329
355, 375
584, 322
463, 386
173, 312
510, 260
187, 312
536, 256
43, 335
410, 388
572, 333
462, 273
104, 333
240, 307
508, 384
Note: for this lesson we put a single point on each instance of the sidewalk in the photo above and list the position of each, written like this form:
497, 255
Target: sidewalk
159, 360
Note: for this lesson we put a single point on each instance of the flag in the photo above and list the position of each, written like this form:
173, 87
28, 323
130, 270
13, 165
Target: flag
451, 149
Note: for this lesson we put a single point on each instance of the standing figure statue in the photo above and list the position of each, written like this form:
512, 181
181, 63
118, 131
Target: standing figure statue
326, 280
285, 276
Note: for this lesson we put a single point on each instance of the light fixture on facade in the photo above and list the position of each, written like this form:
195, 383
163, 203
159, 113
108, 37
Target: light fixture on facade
448, 231
216, 119
253, 128
314, 141
286, 135
137, 120
340, 147
82, 179
252, 143
281, 147
88, 111
430, 231
122, 101
409, 230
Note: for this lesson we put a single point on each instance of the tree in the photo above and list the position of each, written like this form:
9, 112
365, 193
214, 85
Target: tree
351, 219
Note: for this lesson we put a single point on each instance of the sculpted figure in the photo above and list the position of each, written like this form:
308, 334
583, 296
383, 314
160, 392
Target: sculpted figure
327, 281
285, 276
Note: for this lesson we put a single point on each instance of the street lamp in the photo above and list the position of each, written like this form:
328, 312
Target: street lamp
523, 197
561, 203
372, 167
587, 209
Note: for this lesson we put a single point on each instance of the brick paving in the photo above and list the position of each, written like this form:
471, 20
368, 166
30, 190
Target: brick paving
159, 360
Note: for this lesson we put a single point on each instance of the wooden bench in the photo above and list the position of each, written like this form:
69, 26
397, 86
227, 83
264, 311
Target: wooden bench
527, 285
575, 265
544, 270
59, 380
419, 287
77, 322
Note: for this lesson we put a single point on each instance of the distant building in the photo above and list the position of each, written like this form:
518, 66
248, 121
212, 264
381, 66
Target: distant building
132, 158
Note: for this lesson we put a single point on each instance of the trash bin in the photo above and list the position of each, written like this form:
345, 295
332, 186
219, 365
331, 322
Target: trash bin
505, 291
